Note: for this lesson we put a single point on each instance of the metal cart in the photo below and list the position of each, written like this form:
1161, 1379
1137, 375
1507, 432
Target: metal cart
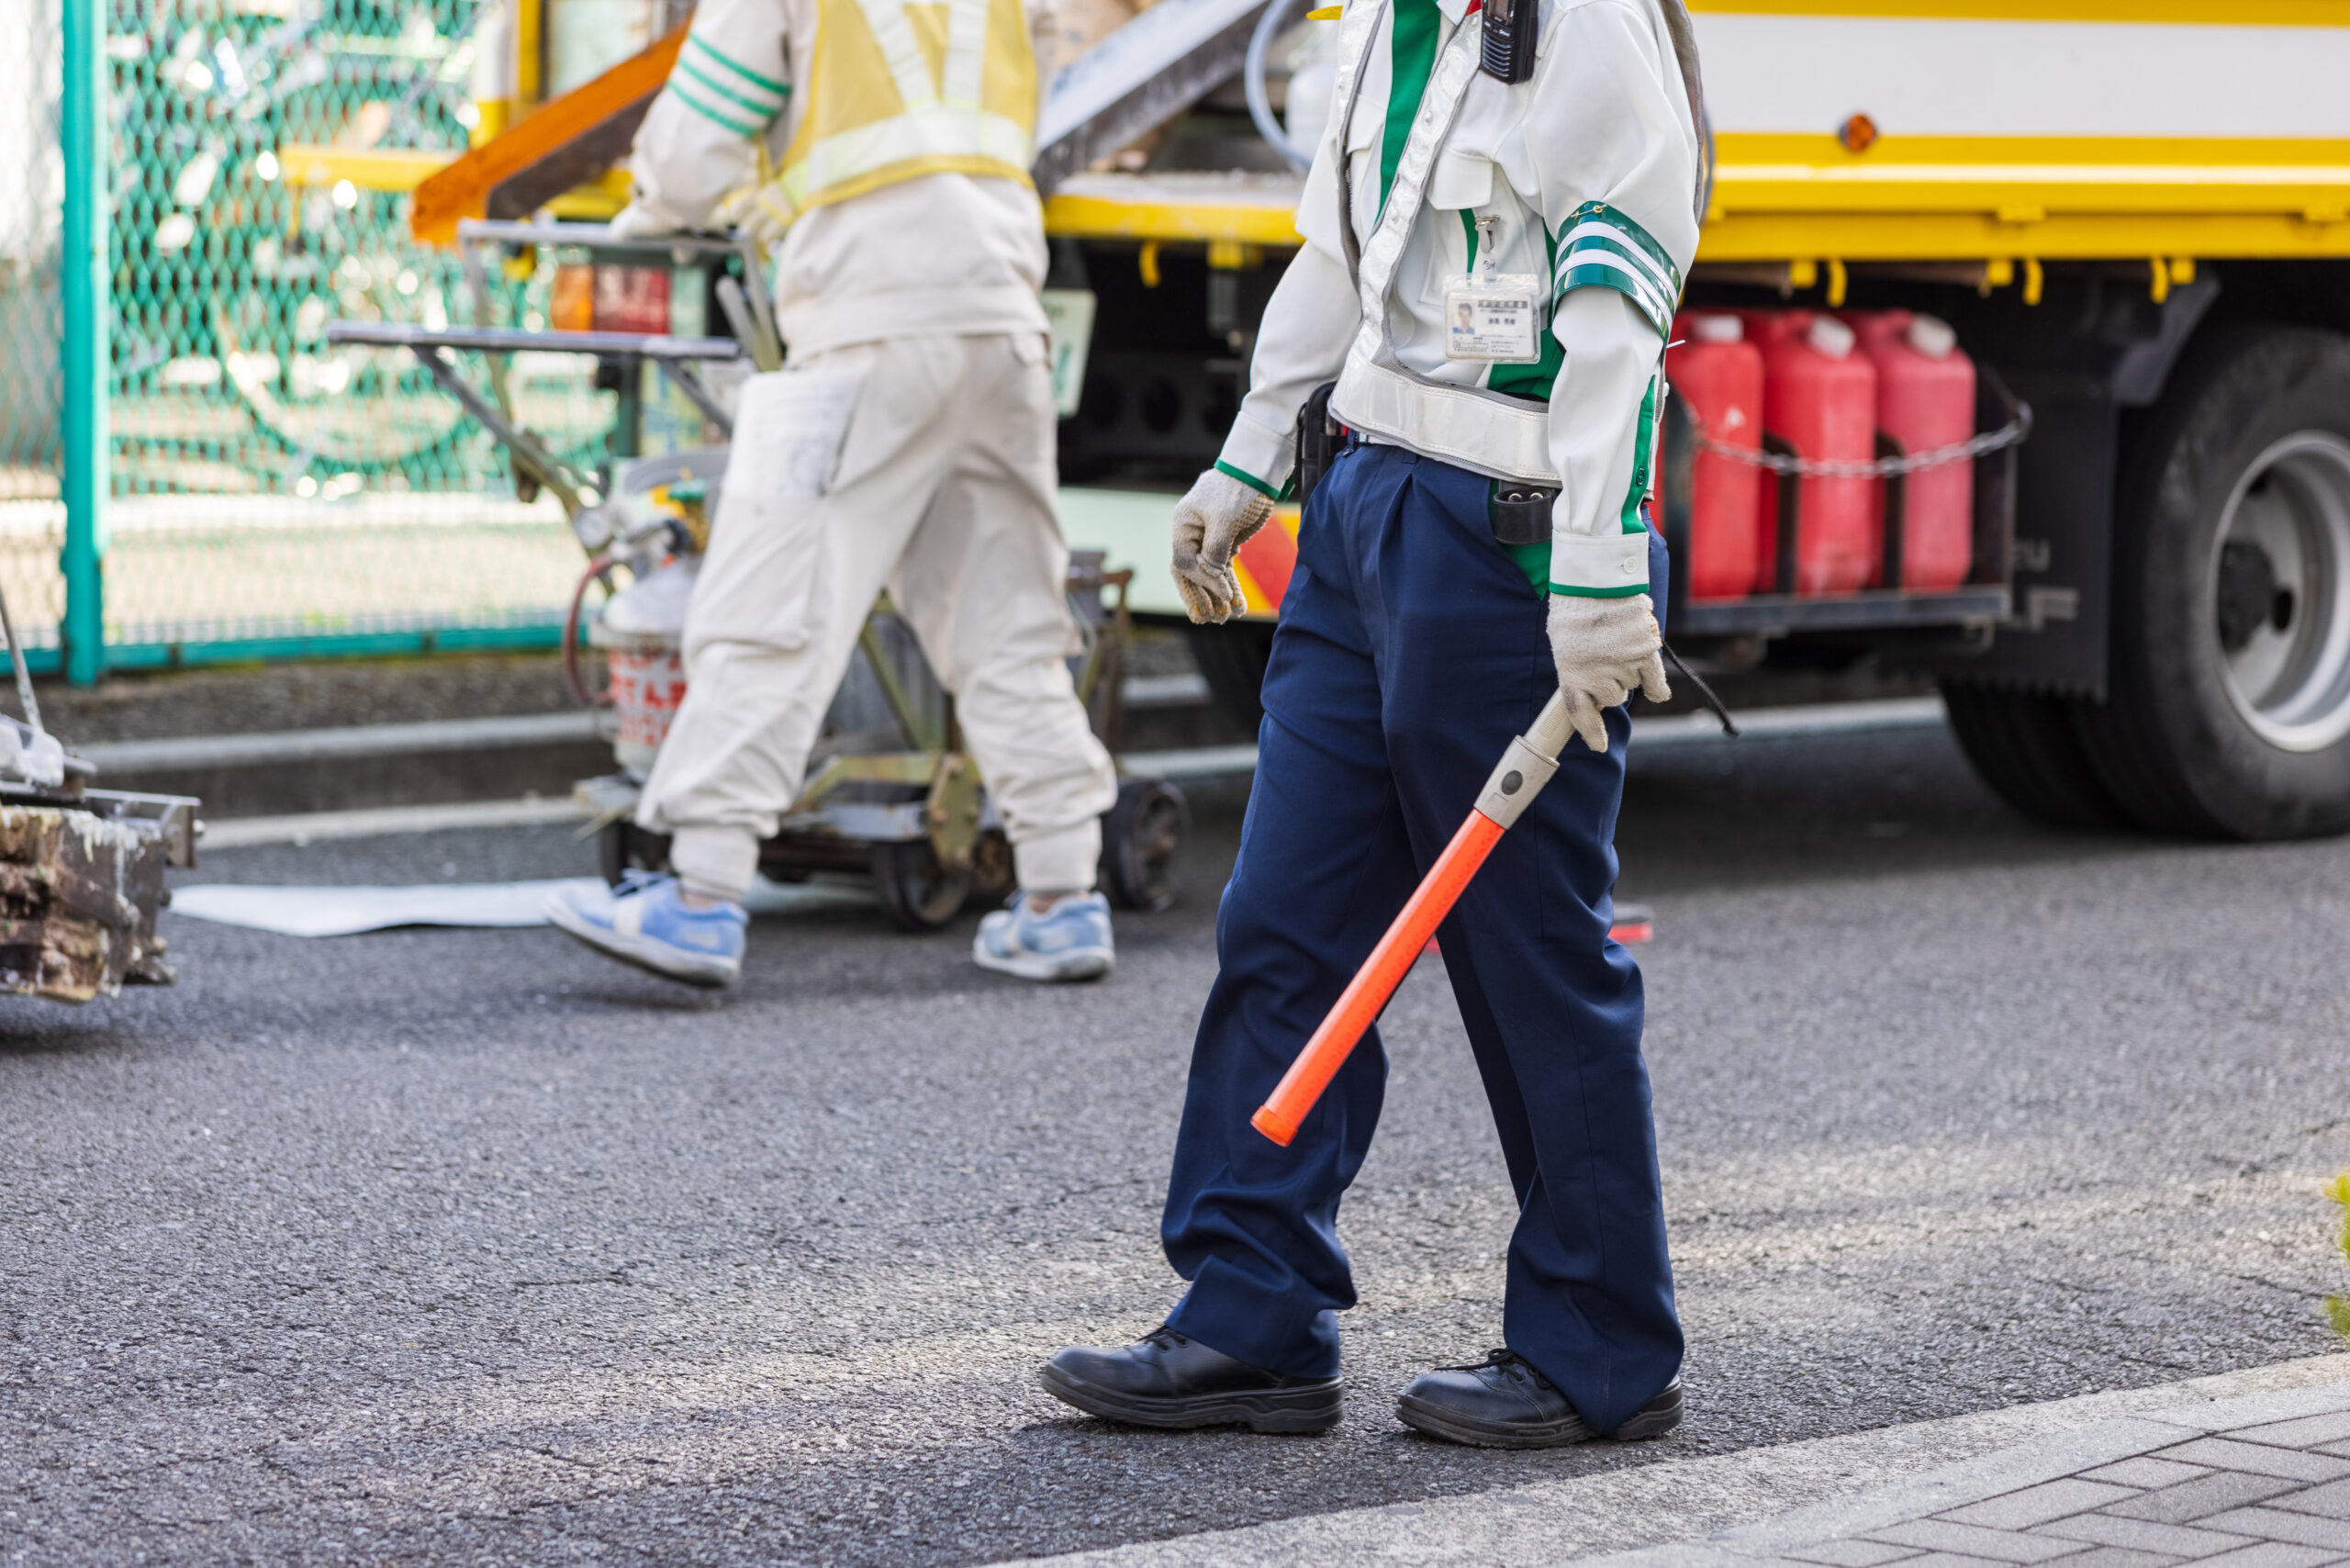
890, 791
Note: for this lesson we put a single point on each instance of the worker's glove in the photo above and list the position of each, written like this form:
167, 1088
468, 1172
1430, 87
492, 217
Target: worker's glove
1606, 649
1214, 520
760, 212
640, 220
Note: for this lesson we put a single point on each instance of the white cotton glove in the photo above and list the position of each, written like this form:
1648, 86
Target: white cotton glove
638, 220
1606, 649
1214, 520
759, 211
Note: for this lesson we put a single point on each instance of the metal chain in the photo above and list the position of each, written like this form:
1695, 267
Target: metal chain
2009, 434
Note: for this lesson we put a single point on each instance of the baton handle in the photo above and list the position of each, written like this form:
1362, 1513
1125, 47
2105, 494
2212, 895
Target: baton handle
1523, 769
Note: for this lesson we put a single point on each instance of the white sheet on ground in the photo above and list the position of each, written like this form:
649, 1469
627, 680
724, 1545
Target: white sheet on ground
343, 911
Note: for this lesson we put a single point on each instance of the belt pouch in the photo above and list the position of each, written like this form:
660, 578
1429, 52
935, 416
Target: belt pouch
1318, 440
1520, 512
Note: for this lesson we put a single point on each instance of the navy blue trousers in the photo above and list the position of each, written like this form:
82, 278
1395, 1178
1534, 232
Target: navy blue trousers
1410, 649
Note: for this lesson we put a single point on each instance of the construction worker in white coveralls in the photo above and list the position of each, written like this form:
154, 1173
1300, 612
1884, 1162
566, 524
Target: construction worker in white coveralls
882, 148
1425, 624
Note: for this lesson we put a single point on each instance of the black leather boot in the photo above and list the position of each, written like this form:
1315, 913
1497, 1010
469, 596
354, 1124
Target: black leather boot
1504, 1403
1169, 1381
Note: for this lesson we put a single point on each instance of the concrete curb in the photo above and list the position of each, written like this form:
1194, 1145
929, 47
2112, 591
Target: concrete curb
1670, 730
1618, 1516
282, 747
1785, 723
2011, 1470
362, 741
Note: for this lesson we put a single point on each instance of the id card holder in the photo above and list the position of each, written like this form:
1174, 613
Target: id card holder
1494, 316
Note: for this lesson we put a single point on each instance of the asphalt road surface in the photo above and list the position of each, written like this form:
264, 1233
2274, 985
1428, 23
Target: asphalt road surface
466, 1247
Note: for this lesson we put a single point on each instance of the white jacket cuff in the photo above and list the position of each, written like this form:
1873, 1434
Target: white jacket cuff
1260, 458
1611, 566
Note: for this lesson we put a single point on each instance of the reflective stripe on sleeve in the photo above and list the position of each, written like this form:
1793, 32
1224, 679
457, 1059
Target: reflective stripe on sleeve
723, 115
739, 103
1603, 248
714, 56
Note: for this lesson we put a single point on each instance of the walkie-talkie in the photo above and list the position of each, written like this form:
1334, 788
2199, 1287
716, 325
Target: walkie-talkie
1511, 26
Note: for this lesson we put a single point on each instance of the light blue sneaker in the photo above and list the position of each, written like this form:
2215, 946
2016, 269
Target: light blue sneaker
1070, 941
644, 922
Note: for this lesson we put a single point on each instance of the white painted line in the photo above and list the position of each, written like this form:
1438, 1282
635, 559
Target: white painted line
378, 822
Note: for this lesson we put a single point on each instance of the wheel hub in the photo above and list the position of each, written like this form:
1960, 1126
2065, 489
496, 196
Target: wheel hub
2280, 611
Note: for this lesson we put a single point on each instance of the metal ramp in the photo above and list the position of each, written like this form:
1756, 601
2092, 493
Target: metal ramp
1130, 83
1137, 79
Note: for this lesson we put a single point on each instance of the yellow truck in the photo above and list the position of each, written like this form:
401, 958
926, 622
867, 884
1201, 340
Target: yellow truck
2134, 213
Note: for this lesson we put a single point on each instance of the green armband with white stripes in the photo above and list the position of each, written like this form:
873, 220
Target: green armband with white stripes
1603, 248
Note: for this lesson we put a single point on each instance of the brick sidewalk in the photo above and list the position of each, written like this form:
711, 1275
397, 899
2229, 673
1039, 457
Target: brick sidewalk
2257, 1482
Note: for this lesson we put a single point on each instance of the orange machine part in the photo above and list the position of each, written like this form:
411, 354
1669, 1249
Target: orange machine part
463, 189
1359, 1004
1266, 562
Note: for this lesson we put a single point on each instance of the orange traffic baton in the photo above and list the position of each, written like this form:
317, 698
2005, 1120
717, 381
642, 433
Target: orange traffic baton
1525, 768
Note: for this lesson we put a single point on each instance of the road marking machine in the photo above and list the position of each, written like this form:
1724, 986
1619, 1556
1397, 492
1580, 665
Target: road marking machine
890, 790
81, 870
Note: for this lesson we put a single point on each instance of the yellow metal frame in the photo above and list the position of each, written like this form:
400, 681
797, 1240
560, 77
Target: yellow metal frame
1799, 199
402, 170
597, 201
2157, 13
529, 54
1926, 198
1782, 198
1195, 222
391, 169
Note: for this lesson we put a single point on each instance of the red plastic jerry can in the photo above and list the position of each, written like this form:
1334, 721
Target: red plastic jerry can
1925, 400
1820, 400
1717, 375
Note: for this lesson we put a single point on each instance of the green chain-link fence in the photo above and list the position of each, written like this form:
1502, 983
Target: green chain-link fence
32, 183
272, 494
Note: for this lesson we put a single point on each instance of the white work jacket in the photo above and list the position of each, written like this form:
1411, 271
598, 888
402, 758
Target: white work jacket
1588, 174
945, 253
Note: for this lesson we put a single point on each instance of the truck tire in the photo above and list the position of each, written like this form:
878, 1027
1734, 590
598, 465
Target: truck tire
2024, 745
2228, 709
1232, 659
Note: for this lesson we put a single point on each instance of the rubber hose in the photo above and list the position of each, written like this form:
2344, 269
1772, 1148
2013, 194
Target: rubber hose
1252, 78
572, 677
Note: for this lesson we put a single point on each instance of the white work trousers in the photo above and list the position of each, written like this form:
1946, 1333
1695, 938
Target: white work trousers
942, 492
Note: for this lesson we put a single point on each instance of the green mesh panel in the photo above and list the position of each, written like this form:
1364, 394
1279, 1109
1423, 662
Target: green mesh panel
31, 203
274, 493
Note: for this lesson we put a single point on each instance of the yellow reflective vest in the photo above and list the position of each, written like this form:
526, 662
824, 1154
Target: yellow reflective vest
897, 90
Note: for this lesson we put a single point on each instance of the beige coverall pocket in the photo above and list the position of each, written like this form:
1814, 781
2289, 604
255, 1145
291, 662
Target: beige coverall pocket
767, 547
788, 429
